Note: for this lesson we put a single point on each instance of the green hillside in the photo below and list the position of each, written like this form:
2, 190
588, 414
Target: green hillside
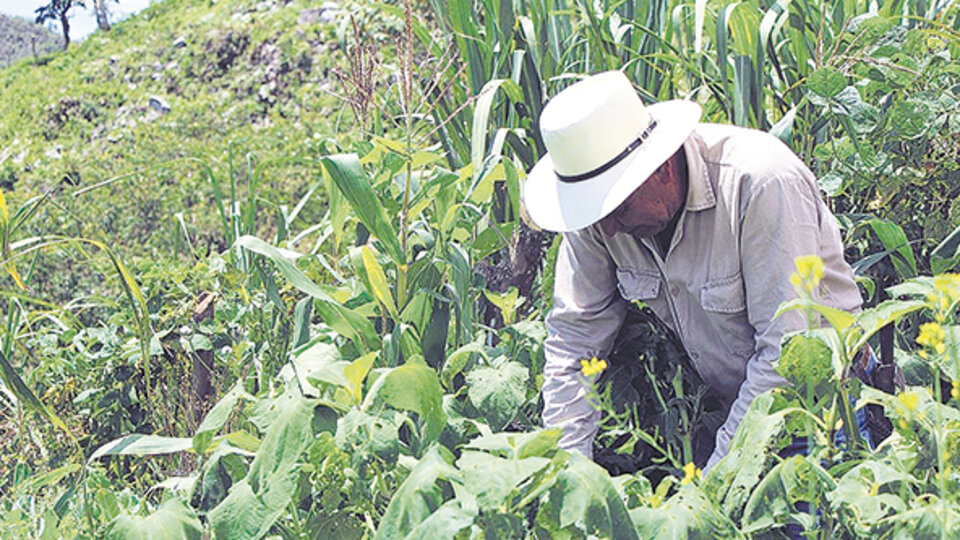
20, 38
161, 98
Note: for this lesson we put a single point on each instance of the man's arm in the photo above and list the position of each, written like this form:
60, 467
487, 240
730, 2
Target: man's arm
586, 316
783, 219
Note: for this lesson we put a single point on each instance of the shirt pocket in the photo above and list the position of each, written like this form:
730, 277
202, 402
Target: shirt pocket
636, 285
725, 305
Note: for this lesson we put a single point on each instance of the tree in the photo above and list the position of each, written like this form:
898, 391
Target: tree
57, 10
102, 13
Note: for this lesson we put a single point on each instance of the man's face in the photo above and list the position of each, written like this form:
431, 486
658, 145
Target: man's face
649, 209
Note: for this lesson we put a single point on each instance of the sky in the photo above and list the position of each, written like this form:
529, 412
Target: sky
82, 20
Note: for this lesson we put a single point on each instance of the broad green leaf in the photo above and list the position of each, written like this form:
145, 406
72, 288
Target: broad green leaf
224, 468
218, 415
506, 302
347, 173
826, 82
491, 479
174, 520
378, 281
446, 522
873, 319
733, 478
347, 322
498, 392
419, 496
412, 387
807, 360
774, 500
911, 117
870, 492
139, 444
255, 503
583, 496
458, 359
540, 443
837, 318
690, 513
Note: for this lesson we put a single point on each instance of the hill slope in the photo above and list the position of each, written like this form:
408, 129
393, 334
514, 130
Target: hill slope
169, 95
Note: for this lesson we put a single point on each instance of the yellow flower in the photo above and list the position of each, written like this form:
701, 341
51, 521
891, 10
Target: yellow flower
955, 389
690, 471
945, 295
810, 270
932, 335
909, 400
592, 366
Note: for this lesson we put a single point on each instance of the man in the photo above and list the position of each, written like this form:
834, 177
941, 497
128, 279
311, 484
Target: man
702, 222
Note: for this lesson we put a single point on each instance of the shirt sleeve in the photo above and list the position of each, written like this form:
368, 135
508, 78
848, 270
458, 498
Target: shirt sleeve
780, 220
586, 316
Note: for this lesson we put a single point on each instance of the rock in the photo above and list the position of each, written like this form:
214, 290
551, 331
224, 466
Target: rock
159, 104
55, 153
326, 13
309, 15
329, 13
180, 42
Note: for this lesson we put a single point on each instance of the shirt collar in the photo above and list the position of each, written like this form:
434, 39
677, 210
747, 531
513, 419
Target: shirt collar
700, 195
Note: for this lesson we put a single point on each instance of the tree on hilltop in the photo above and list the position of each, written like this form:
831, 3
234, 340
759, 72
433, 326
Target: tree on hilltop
57, 10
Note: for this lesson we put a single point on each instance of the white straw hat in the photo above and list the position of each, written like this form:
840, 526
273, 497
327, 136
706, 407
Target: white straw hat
602, 144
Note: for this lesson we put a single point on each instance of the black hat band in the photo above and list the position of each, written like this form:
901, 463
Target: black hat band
610, 164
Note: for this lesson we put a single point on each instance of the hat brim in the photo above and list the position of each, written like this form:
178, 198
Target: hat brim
561, 206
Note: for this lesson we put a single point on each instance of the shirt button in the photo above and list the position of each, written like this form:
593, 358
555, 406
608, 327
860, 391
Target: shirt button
674, 290
694, 355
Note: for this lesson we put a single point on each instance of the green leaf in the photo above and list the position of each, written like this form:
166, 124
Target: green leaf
735, 476
946, 255
807, 360
458, 360
446, 522
911, 118
378, 281
481, 118
257, 501
419, 496
583, 496
347, 322
897, 245
870, 492
491, 479
542, 443
772, 503
498, 392
347, 173
837, 318
826, 82
139, 444
218, 415
873, 319
412, 387
688, 514
23, 392
174, 520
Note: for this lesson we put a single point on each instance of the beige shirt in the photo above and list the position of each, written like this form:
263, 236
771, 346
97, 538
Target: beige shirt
752, 207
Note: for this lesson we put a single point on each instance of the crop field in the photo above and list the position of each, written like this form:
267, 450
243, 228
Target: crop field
265, 273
